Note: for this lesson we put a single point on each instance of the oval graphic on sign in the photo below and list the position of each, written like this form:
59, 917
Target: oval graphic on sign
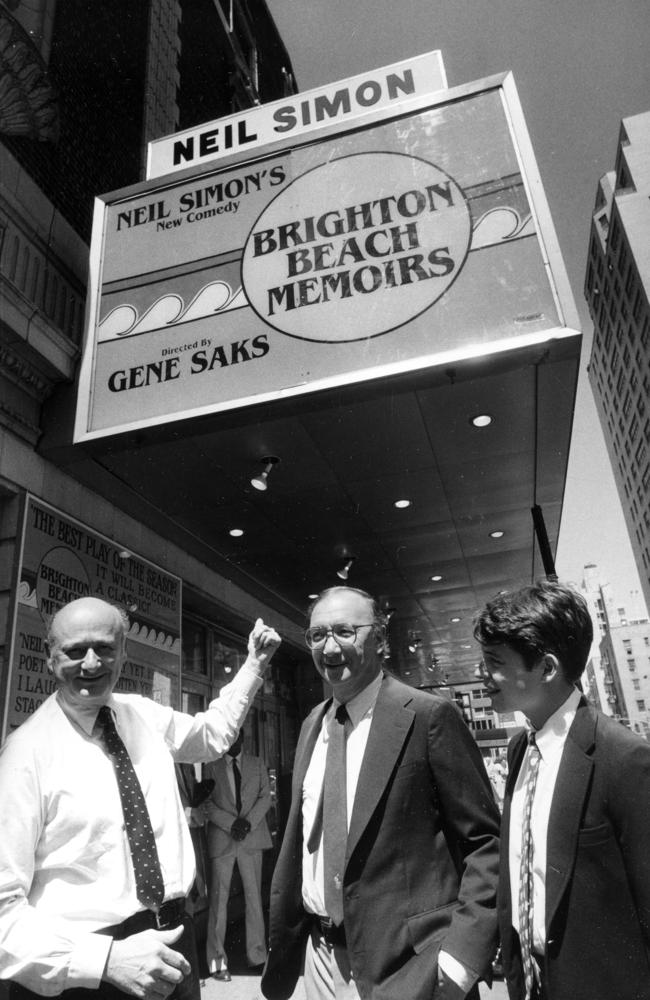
356, 247
61, 577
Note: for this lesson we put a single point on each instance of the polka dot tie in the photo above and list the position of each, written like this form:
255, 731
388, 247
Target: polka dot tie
335, 817
150, 888
526, 869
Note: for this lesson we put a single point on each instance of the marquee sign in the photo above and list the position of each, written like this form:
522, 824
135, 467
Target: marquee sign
311, 111
420, 237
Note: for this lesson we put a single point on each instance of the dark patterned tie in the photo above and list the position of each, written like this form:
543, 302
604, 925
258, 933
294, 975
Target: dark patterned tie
150, 888
526, 869
335, 817
236, 773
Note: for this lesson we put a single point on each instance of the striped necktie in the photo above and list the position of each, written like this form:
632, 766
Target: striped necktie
526, 869
150, 888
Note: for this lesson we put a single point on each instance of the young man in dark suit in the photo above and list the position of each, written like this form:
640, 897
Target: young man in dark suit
574, 889
400, 903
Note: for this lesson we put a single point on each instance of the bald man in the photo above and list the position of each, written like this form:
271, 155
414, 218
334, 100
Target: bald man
71, 909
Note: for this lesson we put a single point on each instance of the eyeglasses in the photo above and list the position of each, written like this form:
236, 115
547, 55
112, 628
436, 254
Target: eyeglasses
343, 633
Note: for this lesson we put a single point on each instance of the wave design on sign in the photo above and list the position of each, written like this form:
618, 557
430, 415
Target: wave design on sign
498, 225
153, 637
169, 310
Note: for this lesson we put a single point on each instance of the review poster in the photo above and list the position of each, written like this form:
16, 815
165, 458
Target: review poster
62, 559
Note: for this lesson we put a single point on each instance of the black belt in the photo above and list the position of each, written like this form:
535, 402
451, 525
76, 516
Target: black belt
331, 933
169, 915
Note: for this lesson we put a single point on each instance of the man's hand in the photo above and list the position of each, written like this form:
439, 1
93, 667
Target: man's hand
262, 644
145, 966
240, 828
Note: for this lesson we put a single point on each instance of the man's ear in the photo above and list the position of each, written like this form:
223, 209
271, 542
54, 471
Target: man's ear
550, 667
380, 634
48, 655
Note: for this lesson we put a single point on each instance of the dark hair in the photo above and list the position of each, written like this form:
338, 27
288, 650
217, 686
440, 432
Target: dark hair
547, 617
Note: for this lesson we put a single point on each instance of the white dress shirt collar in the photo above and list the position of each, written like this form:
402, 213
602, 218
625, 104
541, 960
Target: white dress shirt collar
361, 704
555, 729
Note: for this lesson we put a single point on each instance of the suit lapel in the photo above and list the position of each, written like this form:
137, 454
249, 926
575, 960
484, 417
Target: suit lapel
225, 781
516, 756
391, 722
308, 736
567, 806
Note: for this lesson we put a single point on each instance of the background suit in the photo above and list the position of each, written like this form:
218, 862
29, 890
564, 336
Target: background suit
598, 866
224, 850
422, 854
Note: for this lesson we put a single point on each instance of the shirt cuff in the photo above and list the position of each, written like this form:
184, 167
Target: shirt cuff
88, 961
461, 974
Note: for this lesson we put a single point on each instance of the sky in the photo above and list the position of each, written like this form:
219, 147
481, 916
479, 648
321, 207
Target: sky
580, 66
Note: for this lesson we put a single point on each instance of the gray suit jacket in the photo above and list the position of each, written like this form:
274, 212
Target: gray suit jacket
422, 854
221, 811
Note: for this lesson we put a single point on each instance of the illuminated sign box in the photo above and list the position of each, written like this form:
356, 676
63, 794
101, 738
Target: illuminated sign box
417, 237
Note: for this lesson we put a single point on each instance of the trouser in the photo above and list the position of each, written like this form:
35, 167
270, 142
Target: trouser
250, 870
328, 975
188, 989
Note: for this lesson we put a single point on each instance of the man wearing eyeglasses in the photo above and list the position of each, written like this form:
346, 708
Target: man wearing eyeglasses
400, 902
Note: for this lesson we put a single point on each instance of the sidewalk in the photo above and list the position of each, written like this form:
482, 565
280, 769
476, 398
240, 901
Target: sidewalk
246, 987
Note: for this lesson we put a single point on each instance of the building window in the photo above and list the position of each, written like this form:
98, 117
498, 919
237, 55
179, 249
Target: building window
627, 404
640, 704
636, 308
636, 684
194, 647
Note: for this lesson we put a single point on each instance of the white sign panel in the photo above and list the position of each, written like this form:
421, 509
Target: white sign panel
342, 103
419, 239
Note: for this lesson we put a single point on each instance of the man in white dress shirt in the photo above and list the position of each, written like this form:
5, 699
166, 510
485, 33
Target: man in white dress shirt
574, 889
70, 918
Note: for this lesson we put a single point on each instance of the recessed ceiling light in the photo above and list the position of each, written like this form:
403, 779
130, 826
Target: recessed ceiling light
437, 578
312, 597
236, 532
497, 534
481, 420
455, 619
402, 503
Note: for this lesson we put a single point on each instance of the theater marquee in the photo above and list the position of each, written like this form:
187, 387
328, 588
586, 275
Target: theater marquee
419, 237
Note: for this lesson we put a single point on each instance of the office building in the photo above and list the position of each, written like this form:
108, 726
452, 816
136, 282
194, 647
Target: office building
617, 289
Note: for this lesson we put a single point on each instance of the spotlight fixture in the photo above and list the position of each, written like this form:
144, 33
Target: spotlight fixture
455, 619
124, 554
436, 578
402, 504
236, 532
414, 642
498, 533
344, 572
481, 420
261, 481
